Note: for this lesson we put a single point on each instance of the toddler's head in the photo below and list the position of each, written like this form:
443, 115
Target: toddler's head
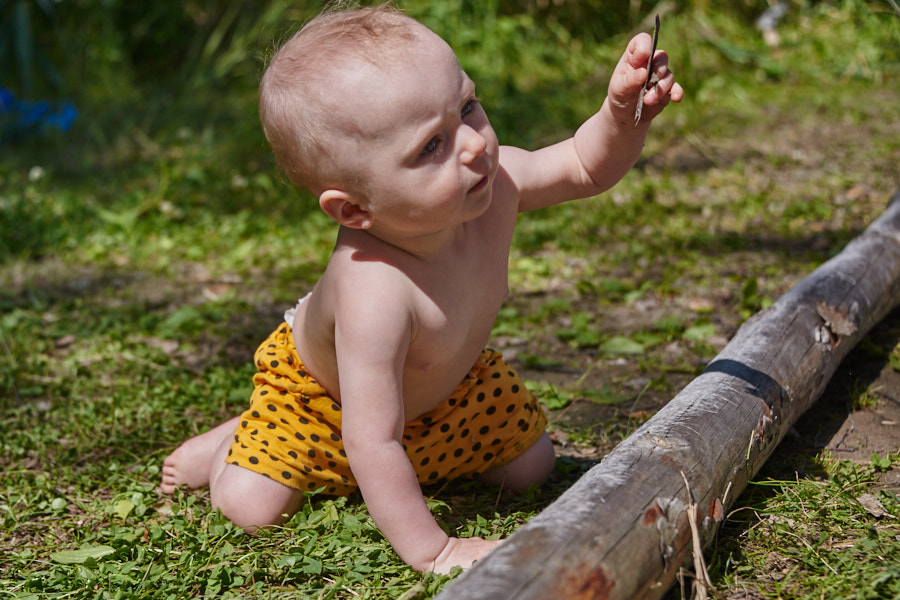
300, 91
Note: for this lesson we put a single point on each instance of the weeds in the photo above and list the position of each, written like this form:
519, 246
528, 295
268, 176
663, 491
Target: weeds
829, 536
863, 397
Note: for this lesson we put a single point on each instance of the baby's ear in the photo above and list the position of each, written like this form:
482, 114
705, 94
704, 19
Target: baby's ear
344, 209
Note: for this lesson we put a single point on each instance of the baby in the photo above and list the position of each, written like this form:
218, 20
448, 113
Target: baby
379, 379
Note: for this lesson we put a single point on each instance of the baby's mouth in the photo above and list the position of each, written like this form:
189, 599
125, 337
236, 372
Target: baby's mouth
482, 183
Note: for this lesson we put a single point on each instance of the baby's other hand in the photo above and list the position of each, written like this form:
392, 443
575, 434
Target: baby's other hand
462, 552
631, 74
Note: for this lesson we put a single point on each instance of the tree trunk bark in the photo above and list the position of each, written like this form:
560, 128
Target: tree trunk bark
622, 530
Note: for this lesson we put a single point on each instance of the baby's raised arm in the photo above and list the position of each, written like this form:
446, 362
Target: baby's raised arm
606, 146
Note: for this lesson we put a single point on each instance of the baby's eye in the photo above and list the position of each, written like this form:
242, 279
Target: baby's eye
469, 106
431, 146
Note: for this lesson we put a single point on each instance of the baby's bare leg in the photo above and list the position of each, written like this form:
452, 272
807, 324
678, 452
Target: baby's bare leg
531, 467
249, 499
252, 500
192, 462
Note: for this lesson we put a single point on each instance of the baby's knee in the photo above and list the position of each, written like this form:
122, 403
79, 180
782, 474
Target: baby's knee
245, 514
532, 467
250, 500
540, 460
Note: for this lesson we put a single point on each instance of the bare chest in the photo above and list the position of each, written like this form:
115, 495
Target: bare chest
454, 316
460, 313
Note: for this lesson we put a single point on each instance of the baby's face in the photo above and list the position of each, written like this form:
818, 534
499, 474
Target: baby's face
419, 140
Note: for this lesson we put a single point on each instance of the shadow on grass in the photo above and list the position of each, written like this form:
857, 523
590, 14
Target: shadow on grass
466, 500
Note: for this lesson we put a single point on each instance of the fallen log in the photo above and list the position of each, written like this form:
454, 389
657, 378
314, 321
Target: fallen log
622, 530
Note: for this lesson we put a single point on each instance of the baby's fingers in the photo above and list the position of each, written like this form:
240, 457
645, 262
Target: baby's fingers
665, 87
462, 552
633, 64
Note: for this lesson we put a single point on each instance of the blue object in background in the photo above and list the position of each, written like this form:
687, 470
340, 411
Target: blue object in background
19, 118
6, 100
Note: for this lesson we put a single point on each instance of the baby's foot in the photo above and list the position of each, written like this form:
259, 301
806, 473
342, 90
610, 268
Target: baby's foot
191, 462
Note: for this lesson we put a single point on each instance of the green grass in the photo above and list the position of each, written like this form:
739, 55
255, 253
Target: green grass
145, 254
84, 541
835, 534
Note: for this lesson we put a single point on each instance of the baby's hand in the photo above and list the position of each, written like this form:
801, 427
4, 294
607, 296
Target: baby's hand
631, 75
462, 552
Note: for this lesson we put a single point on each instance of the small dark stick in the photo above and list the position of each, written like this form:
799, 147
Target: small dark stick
652, 78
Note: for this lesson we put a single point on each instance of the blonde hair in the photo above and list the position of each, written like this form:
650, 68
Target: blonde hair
294, 95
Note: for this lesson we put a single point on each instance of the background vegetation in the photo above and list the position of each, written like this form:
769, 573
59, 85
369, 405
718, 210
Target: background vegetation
145, 252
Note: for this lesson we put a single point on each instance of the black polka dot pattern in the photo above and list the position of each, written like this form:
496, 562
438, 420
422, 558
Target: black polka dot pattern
294, 421
291, 431
453, 440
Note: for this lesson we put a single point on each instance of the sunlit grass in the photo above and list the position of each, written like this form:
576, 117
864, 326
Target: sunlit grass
828, 536
143, 257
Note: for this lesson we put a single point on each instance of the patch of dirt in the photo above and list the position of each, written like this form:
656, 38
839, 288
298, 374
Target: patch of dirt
869, 430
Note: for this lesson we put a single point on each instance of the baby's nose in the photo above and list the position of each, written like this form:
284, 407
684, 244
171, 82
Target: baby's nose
473, 145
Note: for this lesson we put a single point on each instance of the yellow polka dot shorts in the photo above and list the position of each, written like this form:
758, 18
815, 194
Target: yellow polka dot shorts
292, 430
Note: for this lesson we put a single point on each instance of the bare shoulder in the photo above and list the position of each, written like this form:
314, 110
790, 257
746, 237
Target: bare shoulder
519, 165
367, 285
357, 314
513, 159
505, 201
546, 176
